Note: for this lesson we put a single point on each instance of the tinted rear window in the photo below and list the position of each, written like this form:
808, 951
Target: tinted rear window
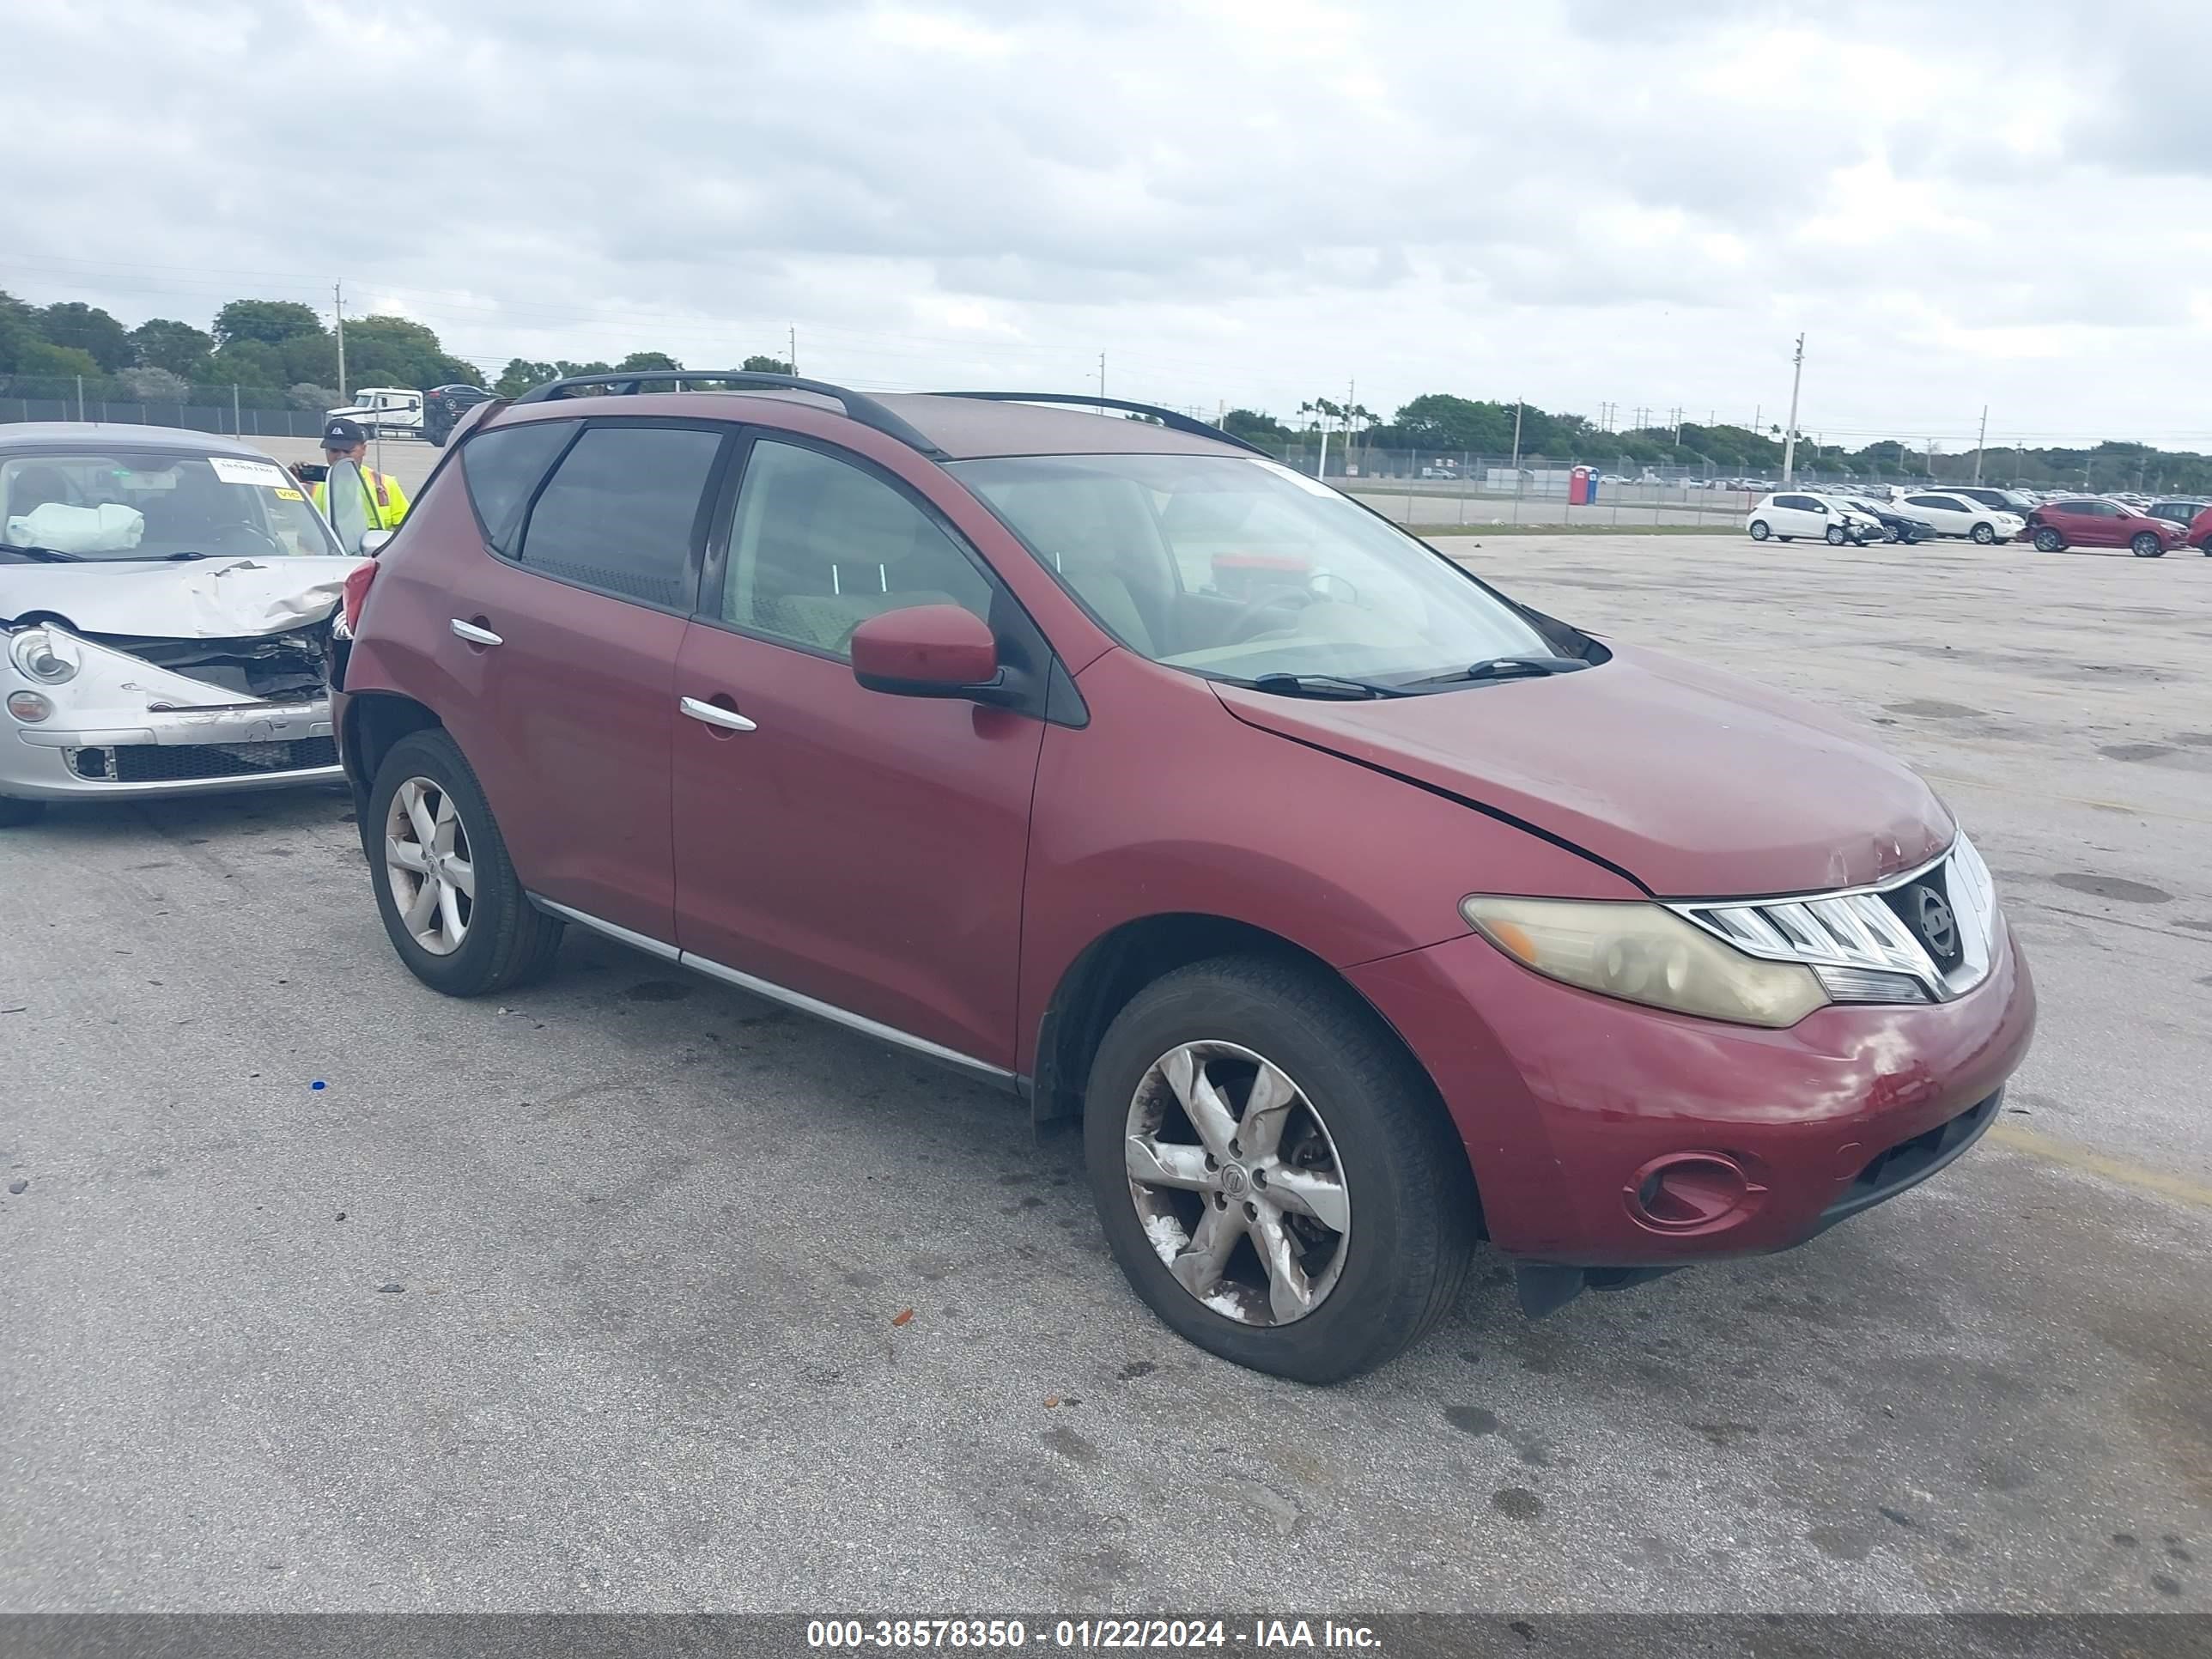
502, 467
621, 509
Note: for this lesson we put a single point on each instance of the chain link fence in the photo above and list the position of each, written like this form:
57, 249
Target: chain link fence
248, 411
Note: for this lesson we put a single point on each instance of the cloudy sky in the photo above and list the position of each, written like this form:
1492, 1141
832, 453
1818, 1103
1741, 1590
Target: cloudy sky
1239, 202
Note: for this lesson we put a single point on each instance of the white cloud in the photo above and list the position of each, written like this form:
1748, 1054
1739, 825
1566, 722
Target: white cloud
1582, 201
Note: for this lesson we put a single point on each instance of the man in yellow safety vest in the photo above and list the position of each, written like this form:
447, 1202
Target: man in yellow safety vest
345, 440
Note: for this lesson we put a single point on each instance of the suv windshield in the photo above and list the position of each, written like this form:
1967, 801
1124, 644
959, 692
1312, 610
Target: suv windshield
125, 503
1240, 569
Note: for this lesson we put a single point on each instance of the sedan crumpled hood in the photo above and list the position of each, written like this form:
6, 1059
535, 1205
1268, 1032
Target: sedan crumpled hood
1699, 784
204, 599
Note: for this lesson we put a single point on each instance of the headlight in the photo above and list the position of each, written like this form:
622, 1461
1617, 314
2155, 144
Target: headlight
1644, 953
45, 654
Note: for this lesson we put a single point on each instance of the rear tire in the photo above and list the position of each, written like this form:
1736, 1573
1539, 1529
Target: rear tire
2147, 545
1401, 1186
13, 813
1760, 532
2048, 540
490, 939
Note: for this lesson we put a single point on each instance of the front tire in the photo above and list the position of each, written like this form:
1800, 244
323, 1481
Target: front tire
14, 814
452, 903
2048, 540
1835, 536
1273, 1173
1760, 532
1986, 534
2146, 546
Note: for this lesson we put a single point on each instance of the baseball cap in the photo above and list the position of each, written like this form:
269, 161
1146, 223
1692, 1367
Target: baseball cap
342, 434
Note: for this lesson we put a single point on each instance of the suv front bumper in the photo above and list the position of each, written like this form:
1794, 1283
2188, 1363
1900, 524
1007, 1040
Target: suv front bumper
1568, 1100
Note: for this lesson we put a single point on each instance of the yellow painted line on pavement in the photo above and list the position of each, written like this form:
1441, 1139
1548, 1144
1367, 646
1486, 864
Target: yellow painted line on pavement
2070, 800
2180, 1188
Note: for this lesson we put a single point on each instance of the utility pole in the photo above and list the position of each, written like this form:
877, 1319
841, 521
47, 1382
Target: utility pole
1981, 443
1789, 433
337, 318
792, 354
1518, 405
1102, 382
1931, 460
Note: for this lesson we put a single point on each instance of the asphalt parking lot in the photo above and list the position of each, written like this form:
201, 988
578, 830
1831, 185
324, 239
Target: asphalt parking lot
591, 1300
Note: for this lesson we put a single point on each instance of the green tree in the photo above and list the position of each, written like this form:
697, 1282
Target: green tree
313, 357
766, 366
648, 360
81, 327
183, 350
271, 322
43, 359
250, 363
1437, 420
19, 331
520, 374
1255, 427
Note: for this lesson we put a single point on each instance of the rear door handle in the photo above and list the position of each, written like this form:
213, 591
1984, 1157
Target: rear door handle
474, 634
714, 714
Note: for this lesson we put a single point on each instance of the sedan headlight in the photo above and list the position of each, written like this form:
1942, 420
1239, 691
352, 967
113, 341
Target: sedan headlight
1644, 953
45, 654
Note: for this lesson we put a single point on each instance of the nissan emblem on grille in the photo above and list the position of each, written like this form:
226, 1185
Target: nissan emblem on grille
1932, 916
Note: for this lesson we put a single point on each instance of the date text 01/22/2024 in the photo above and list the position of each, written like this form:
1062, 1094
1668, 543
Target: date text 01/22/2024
1012, 1635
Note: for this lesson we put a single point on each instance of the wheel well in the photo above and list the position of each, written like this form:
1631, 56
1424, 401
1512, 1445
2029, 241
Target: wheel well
374, 720
1111, 970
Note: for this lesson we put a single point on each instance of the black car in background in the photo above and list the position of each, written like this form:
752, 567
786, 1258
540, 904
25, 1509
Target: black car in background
1896, 527
443, 405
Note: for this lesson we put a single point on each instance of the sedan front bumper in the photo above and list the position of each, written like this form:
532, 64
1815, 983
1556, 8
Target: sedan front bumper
184, 752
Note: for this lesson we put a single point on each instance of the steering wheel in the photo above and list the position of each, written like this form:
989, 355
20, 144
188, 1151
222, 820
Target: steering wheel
1247, 623
275, 547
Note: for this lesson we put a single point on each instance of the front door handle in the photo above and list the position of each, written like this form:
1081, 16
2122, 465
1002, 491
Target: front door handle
714, 714
474, 634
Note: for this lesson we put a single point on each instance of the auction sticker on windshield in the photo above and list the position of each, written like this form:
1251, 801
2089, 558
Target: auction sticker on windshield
267, 474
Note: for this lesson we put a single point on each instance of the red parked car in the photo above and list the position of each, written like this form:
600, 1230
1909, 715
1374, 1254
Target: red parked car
2199, 534
1357, 922
2093, 521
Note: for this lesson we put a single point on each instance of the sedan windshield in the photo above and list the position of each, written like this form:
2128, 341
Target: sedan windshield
122, 503
1242, 569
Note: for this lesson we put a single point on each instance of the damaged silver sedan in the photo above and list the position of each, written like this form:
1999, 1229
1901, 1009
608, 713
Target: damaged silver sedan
167, 599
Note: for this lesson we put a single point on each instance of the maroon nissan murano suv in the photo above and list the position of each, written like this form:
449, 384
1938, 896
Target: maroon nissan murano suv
1358, 913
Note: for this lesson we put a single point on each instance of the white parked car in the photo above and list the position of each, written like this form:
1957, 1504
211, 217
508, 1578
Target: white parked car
166, 609
1788, 514
1962, 515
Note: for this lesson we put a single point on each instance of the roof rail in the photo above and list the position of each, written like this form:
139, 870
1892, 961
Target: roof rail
1167, 418
857, 405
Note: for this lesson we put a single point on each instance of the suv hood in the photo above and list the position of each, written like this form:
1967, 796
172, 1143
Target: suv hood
1698, 784
205, 599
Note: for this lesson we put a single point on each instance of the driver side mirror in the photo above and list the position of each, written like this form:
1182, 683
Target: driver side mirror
376, 540
928, 651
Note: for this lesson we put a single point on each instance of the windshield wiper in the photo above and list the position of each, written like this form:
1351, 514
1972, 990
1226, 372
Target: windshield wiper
43, 555
1507, 668
1321, 685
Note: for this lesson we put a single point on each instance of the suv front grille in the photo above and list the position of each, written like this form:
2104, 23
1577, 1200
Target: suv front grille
1934, 926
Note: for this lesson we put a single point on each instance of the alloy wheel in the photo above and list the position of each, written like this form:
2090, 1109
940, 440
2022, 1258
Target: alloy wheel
426, 856
1237, 1181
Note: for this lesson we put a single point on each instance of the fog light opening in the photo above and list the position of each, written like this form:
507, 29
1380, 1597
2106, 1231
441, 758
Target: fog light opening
1691, 1192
